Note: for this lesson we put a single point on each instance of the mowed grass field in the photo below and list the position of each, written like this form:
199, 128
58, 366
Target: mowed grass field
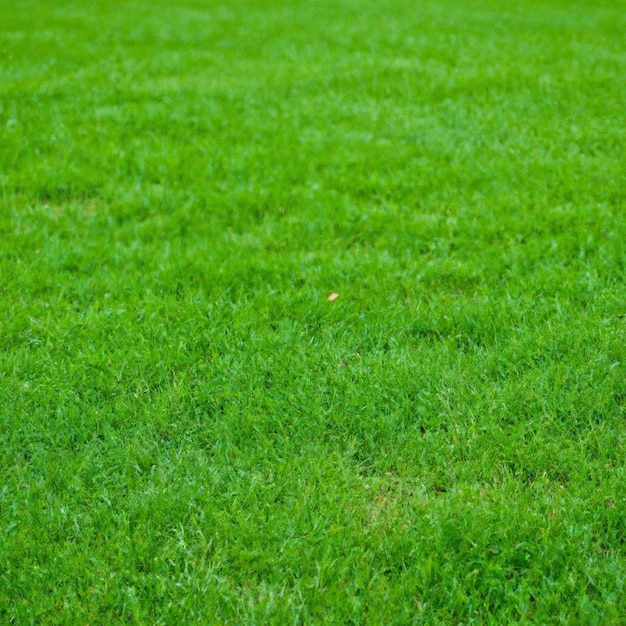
192, 433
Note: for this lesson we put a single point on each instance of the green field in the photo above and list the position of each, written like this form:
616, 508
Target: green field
191, 432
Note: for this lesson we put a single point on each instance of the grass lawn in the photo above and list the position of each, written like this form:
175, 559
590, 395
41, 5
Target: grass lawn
191, 432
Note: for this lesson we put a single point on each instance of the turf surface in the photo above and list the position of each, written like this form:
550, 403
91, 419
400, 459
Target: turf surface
191, 432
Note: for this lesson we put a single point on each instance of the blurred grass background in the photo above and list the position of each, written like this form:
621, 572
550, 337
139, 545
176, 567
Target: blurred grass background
191, 432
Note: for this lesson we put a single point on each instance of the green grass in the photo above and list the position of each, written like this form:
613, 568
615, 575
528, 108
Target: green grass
190, 432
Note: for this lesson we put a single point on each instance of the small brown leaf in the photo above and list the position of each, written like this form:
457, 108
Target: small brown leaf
332, 296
